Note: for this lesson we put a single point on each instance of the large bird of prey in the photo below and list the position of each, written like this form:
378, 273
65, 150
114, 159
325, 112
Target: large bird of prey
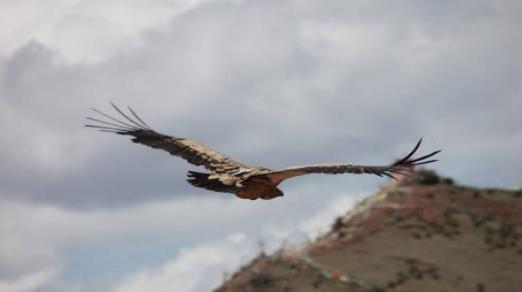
229, 176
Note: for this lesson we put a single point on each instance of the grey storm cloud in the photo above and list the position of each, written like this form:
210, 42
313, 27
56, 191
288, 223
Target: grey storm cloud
271, 83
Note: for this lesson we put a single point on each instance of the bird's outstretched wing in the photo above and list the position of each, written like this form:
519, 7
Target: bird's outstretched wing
192, 151
401, 167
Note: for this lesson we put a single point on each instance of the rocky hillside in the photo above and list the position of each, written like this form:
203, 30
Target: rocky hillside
421, 234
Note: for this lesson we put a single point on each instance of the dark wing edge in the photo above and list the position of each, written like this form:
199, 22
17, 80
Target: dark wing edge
403, 166
132, 125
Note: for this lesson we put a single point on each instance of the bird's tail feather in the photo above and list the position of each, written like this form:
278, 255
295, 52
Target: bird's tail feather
201, 180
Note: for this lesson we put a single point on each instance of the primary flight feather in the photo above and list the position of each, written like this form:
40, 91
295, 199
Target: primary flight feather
227, 175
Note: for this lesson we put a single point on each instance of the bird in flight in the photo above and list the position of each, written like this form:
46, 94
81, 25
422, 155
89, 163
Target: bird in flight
229, 176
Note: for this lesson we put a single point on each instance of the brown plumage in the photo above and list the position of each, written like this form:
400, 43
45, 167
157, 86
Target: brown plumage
227, 175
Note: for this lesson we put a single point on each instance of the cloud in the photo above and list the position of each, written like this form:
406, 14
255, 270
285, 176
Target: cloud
86, 31
258, 81
322, 220
198, 268
271, 83
36, 238
201, 268
28, 282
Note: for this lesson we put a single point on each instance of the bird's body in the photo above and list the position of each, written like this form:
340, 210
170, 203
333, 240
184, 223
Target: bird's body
229, 176
259, 187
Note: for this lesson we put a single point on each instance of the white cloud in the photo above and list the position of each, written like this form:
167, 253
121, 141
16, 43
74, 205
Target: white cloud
198, 268
201, 268
322, 220
28, 282
34, 237
85, 30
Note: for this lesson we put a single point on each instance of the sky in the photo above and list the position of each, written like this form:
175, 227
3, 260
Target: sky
269, 83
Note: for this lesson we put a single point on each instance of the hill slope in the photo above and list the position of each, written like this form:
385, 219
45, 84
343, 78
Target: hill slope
422, 234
